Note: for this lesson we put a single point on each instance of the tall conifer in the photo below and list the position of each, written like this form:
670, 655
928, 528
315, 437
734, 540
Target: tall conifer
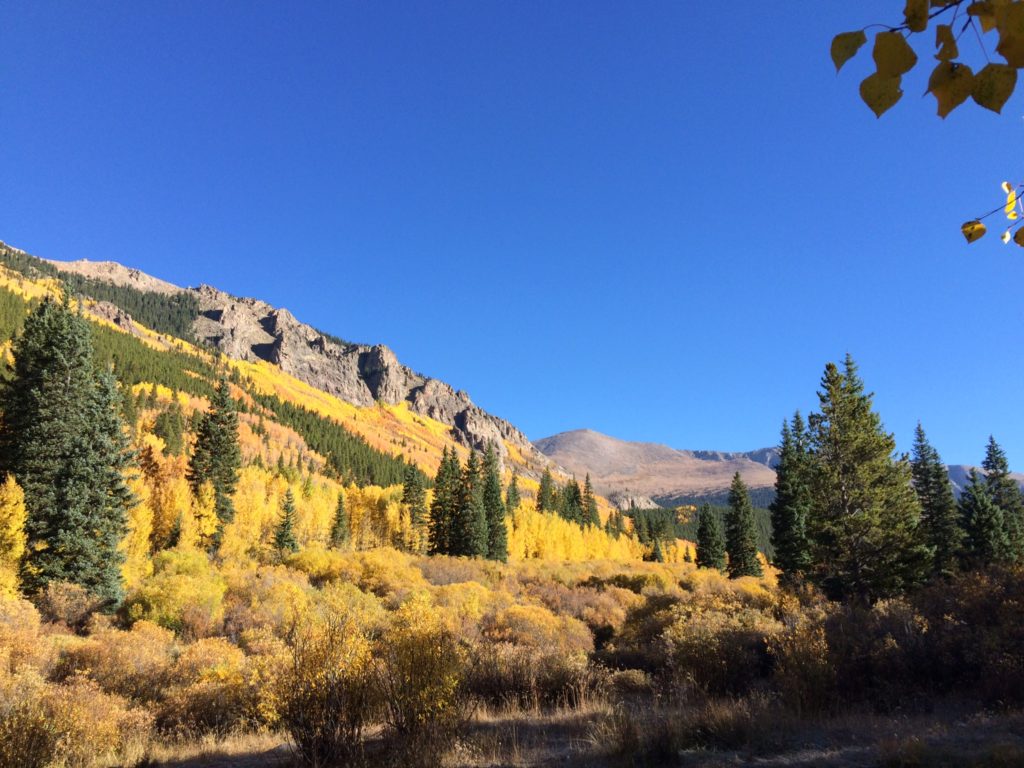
985, 540
512, 499
791, 502
340, 530
284, 534
864, 513
445, 503
1005, 493
940, 519
217, 456
494, 509
590, 513
414, 498
740, 535
546, 493
710, 542
469, 531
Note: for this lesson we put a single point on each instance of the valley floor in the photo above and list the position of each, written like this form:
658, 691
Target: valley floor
592, 736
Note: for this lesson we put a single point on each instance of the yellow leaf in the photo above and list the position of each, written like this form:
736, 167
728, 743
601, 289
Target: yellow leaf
1010, 23
973, 230
845, 46
993, 86
1018, 237
984, 12
916, 14
880, 93
1006, 237
893, 55
950, 84
1011, 205
946, 43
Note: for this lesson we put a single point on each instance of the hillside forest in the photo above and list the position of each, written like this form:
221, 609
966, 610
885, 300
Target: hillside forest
200, 555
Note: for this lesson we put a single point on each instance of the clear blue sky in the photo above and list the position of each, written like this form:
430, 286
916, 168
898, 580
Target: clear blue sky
654, 219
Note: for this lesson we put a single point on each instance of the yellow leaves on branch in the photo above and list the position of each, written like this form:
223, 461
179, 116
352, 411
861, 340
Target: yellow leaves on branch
951, 81
974, 230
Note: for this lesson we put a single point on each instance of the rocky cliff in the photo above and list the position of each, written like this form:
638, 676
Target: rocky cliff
250, 329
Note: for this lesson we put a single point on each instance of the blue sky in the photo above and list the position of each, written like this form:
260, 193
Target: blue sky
654, 219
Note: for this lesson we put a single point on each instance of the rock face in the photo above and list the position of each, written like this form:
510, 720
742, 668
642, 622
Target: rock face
642, 472
250, 329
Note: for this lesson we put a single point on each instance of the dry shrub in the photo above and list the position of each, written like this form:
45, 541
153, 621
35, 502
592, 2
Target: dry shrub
719, 646
185, 594
326, 694
385, 572
210, 691
341, 598
272, 597
804, 675
503, 674
20, 639
68, 604
441, 571
133, 664
602, 609
74, 725
419, 670
536, 627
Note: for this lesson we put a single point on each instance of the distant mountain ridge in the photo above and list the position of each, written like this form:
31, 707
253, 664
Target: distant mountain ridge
632, 471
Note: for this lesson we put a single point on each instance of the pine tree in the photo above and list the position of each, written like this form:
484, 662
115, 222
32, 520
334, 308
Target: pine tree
791, 502
340, 532
546, 493
710, 542
512, 499
940, 519
414, 498
469, 531
217, 456
494, 509
63, 440
284, 534
590, 513
1006, 495
169, 426
445, 504
985, 541
657, 555
570, 503
864, 513
740, 535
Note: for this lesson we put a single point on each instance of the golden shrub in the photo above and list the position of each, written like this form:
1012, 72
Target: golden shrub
185, 594
20, 639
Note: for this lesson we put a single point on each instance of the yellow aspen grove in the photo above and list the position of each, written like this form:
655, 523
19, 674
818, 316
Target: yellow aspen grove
136, 544
12, 534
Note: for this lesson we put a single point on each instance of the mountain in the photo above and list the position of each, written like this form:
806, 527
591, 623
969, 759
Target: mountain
958, 475
251, 330
624, 470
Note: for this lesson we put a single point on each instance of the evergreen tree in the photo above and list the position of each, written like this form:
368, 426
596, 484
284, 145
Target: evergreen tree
590, 513
792, 500
169, 426
284, 534
414, 498
63, 441
494, 509
340, 532
985, 541
657, 555
1005, 494
217, 457
469, 531
740, 538
444, 506
570, 503
546, 493
940, 519
710, 542
864, 513
512, 499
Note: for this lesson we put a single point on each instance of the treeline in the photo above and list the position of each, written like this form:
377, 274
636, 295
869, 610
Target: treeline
761, 498
467, 515
165, 313
575, 504
666, 524
349, 456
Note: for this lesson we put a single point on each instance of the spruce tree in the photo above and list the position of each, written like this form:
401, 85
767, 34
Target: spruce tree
791, 502
1005, 493
864, 513
284, 534
445, 503
512, 499
414, 498
494, 509
940, 519
63, 440
469, 531
710, 542
740, 534
590, 513
217, 456
340, 532
985, 540
169, 426
570, 503
546, 493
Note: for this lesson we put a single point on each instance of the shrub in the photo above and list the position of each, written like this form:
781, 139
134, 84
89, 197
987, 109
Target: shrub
210, 692
20, 640
184, 594
67, 604
325, 693
419, 669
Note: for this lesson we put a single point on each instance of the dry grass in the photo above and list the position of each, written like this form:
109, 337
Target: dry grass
232, 751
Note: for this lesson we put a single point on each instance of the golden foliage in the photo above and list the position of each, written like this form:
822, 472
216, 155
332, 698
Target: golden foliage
12, 534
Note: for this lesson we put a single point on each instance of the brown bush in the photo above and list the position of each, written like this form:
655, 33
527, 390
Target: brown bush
67, 604
20, 638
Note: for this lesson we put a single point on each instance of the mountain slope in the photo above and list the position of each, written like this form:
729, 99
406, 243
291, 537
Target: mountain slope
625, 470
252, 331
